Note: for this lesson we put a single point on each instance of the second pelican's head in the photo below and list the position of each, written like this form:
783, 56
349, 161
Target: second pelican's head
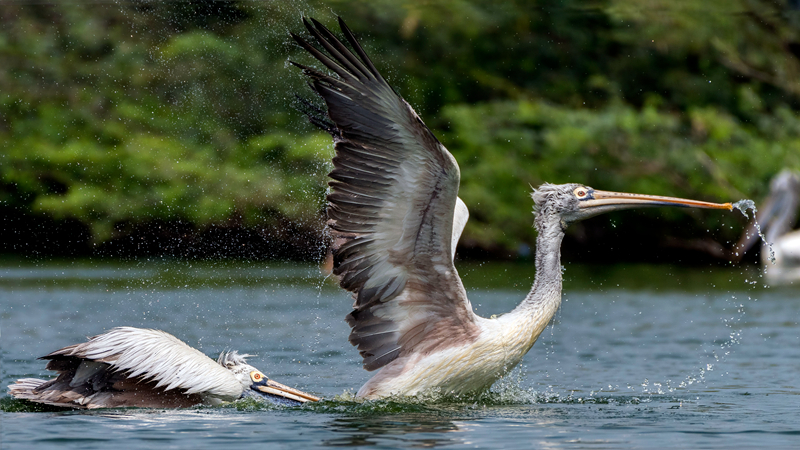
573, 202
256, 384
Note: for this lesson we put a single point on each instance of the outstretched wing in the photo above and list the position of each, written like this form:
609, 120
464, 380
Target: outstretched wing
129, 366
390, 210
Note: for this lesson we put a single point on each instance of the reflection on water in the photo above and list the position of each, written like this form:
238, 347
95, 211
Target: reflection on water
386, 429
636, 353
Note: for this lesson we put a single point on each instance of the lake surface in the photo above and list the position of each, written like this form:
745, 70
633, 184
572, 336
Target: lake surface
637, 357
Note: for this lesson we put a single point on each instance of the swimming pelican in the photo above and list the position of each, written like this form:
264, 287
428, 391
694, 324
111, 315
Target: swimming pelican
394, 216
128, 366
777, 215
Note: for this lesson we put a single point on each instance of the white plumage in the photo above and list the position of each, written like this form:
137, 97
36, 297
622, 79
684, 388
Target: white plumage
128, 366
154, 355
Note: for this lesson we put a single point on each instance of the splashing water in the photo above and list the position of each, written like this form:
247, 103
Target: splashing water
743, 206
715, 357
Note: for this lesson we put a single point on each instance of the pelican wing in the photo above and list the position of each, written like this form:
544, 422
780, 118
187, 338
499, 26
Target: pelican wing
146, 357
390, 209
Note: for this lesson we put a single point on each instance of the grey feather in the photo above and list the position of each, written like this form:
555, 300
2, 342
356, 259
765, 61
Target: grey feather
391, 205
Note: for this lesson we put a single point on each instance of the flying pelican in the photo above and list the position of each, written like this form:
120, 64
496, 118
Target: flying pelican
128, 366
777, 216
394, 218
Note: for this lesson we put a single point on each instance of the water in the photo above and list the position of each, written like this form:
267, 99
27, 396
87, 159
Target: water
638, 357
743, 206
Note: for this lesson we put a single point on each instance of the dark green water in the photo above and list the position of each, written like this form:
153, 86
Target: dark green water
637, 357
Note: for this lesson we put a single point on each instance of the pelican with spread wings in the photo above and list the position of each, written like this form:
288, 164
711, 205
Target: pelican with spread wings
136, 367
395, 217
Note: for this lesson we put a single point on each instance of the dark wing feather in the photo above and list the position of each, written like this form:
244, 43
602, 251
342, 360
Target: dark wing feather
390, 210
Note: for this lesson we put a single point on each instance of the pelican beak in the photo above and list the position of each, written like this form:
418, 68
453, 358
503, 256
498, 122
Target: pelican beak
598, 202
267, 386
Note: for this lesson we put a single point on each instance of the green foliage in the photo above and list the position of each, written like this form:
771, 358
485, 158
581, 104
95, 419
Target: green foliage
151, 177
505, 146
119, 114
113, 130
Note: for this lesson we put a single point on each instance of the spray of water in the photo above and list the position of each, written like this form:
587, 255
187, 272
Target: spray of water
723, 349
743, 206
733, 323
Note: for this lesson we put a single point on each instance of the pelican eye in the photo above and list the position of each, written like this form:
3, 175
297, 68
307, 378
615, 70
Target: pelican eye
581, 193
256, 376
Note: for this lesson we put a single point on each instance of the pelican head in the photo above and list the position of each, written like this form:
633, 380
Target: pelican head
255, 383
572, 202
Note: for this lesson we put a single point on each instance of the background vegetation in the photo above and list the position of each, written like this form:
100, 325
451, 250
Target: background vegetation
170, 128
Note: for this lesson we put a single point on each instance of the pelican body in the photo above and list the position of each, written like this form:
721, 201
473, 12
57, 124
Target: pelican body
395, 217
780, 254
135, 367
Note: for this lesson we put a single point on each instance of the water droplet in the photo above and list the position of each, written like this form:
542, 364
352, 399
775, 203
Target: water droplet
743, 206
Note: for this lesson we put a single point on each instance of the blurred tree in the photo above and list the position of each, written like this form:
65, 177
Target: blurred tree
122, 115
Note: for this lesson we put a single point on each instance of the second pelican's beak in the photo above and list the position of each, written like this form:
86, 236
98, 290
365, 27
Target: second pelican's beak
592, 202
266, 386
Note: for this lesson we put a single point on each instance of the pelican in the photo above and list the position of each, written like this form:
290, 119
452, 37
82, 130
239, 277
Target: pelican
394, 217
135, 367
777, 216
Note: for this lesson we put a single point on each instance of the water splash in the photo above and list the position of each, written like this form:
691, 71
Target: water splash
743, 206
719, 354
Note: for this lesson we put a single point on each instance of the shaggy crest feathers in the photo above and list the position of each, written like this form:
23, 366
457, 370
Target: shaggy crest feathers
231, 358
550, 200
551, 194
540, 196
